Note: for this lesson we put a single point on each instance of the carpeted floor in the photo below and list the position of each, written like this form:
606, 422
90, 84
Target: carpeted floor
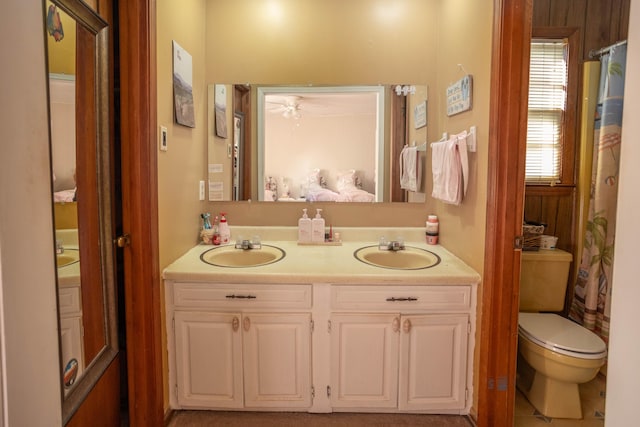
300, 419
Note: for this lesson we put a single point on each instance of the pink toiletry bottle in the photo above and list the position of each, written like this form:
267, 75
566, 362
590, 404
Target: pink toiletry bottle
225, 233
432, 230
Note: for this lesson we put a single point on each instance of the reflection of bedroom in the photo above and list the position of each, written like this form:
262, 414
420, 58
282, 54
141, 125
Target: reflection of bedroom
63, 139
320, 147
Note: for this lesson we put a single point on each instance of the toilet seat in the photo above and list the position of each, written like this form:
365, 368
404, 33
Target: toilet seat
561, 335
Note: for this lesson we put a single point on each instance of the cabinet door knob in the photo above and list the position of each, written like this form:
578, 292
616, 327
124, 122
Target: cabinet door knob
396, 324
406, 326
246, 323
235, 324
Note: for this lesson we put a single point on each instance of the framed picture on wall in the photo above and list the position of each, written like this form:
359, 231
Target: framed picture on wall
182, 86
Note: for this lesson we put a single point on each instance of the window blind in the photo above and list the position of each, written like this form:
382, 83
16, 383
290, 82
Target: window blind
547, 102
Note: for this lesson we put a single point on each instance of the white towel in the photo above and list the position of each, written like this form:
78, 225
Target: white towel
410, 169
450, 168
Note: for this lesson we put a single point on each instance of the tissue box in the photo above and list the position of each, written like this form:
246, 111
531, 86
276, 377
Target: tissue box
531, 236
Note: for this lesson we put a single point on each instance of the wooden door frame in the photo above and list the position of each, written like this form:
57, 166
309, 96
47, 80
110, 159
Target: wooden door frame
505, 196
142, 288
505, 205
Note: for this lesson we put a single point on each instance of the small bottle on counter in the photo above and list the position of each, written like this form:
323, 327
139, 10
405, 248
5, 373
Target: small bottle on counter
433, 229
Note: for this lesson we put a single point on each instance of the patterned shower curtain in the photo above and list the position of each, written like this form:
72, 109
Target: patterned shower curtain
592, 295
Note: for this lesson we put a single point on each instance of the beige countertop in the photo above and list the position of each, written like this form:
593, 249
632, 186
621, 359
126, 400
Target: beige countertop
323, 264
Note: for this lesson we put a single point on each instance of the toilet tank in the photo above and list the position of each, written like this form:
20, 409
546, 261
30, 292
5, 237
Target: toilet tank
543, 279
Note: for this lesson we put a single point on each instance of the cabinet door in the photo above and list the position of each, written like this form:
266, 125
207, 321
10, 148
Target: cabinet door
433, 360
364, 360
208, 359
277, 360
71, 344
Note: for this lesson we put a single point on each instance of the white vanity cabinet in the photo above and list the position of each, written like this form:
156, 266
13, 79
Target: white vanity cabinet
240, 346
400, 347
71, 330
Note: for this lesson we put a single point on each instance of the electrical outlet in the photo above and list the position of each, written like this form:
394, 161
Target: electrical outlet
201, 190
163, 138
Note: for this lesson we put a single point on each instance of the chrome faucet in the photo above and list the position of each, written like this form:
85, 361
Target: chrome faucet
393, 245
59, 247
246, 244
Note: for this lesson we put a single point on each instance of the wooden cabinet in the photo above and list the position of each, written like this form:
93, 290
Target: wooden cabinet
228, 356
71, 331
208, 359
385, 348
433, 362
364, 360
413, 358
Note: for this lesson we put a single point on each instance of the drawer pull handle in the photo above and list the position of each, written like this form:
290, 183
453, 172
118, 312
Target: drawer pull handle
241, 296
246, 324
394, 299
235, 324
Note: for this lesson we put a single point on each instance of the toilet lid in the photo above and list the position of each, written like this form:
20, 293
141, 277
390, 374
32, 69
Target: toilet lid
561, 335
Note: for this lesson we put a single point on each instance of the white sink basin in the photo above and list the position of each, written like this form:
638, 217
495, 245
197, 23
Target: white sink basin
409, 258
229, 256
68, 257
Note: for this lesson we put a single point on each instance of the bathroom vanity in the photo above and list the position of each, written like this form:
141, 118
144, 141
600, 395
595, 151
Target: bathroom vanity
70, 307
321, 331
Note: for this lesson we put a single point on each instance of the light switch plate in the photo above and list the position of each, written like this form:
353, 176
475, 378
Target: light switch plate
201, 190
163, 139
472, 140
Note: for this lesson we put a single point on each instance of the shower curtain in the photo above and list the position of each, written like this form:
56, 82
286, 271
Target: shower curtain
592, 293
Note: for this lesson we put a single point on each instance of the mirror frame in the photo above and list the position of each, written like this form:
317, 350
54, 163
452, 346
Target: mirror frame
379, 167
90, 21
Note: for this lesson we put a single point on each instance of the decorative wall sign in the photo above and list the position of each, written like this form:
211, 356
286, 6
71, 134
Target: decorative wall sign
182, 86
459, 95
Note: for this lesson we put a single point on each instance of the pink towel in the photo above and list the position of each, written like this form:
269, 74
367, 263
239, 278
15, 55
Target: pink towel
450, 168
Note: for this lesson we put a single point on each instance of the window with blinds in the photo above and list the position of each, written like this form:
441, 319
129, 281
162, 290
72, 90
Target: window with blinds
547, 103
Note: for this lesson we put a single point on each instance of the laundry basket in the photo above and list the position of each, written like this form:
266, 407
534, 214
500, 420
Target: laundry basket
531, 236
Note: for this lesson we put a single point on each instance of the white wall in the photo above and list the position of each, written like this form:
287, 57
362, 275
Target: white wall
623, 398
28, 328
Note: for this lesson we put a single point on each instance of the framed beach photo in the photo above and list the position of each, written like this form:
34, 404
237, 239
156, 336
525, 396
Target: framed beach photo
183, 86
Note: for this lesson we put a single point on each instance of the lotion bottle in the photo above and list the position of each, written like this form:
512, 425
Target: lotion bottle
317, 228
304, 228
223, 227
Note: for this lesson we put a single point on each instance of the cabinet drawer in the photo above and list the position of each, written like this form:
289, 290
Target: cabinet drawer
203, 295
401, 297
69, 300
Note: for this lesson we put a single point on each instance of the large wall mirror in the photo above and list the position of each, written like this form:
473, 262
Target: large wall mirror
77, 53
313, 143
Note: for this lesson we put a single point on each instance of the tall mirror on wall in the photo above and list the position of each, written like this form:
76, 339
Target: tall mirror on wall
316, 144
77, 55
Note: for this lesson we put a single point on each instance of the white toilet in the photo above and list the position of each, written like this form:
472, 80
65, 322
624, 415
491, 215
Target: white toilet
555, 354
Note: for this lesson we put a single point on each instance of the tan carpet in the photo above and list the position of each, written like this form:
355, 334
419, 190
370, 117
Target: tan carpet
288, 419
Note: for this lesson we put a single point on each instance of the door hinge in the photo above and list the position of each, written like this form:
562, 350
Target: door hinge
313, 393
173, 323
466, 396
312, 326
517, 242
469, 328
329, 326
329, 391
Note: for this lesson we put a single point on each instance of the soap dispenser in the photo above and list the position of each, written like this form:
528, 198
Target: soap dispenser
223, 228
317, 228
304, 228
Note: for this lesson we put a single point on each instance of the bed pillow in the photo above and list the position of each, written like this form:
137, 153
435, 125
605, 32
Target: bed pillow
347, 181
